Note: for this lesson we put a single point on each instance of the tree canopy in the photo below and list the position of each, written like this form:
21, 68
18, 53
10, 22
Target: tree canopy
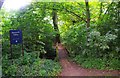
89, 30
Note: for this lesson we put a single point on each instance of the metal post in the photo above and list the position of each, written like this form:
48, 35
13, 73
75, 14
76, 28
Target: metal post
10, 47
11, 51
22, 50
22, 45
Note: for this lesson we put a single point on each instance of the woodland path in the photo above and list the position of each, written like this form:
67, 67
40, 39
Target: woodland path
70, 68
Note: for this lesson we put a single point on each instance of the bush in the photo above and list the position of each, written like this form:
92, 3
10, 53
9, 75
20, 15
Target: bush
30, 65
97, 63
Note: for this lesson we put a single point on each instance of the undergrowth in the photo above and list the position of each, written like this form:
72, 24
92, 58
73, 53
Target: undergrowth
98, 63
29, 65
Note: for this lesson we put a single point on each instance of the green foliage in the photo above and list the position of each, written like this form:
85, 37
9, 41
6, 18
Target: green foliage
38, 33
97, 46
72, 36
97, 63
30, 65
99, 41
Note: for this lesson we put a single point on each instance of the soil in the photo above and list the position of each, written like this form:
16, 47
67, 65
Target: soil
70, 68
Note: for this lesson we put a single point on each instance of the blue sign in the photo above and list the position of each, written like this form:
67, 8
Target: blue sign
15, 36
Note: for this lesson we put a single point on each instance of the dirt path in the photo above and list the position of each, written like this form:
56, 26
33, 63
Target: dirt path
69, 68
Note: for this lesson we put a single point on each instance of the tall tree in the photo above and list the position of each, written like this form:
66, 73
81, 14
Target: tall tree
57, 38
101, 6
87, 18
87, 13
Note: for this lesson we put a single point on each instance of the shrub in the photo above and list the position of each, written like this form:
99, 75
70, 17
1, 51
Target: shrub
30, 65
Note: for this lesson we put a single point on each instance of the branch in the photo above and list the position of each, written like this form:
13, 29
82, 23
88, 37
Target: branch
107, 9
81, 6
63, 8
101, 7
75, 14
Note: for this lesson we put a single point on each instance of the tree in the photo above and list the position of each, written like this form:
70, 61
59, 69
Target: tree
87, 13
101, 7
88, 18
57, 38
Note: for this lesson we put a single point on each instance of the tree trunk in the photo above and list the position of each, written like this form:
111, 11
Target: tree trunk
1, 3
57, 38
87, 20
101, 6
87, 13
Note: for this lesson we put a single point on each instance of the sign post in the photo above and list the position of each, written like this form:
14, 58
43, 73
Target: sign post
16, 38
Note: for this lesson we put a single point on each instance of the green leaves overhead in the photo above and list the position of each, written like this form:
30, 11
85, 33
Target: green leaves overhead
100, 40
